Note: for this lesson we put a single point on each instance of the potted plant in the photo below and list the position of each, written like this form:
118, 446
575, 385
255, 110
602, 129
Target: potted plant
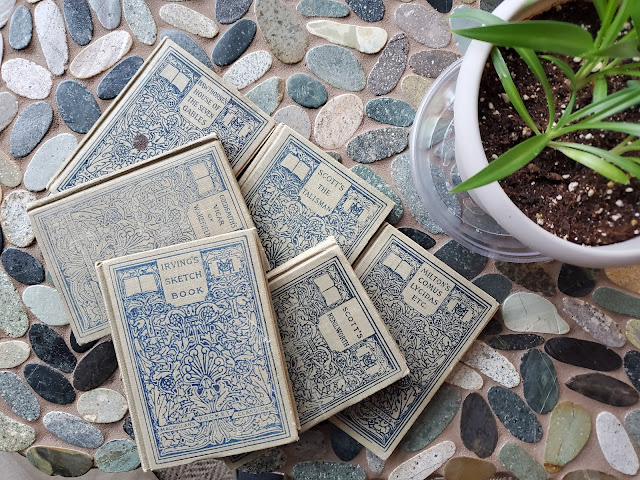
583, 67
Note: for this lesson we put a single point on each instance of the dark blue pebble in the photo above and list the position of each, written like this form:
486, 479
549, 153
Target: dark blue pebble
31, 126
461, 259
443, 6
576, 281
22, 266
390, 111
76, 105
495, 285
229, 11
49, 384
418, 236
114, 81
51, 348
367, 10
127, 426
306, 90
234, 42
96, 367
345, 447
20, 28
189, 44
632, 367
77, 16
85, 347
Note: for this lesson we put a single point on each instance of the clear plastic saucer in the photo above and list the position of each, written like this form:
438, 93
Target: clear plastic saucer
433, 166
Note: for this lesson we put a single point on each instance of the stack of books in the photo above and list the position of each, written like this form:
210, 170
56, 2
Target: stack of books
244, 311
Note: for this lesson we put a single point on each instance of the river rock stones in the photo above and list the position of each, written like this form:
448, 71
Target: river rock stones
73, 430
248, 69
96, 367
77, 16
114, 81
604, 388
306, 90
60, 461
30, 128
18, 396
187, 19
583, 353
268, 95
13, 318
514, 414
377, 144
364, 39
234, 42
13, 217
13, 353
20, 28
102, 405
15, 436
338, 120
539, 381
52, 35
51, 348
615, 444
76, 105
569, 430
600, 326
26, 78
337, 66
49, 384
101, 55
108, 12
282, 30
140, 21
529, 312
22, 266
386, 72
423, 24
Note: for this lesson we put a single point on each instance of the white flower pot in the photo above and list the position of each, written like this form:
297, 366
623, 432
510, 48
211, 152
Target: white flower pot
470, 159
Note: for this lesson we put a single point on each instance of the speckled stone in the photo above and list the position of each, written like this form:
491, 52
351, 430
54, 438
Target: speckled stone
102, 405
311, 445
418, 236
423, 24
268, 95
31, 126
85, 347
335, 155
77, 16
119, 455
514, 414
337, 66
440, 411
22, 266
60, 461
108, 12
20, 28
520, 463
15, 436
234, 42
632, 367
13, 318
296, 118
539, 381
583, 353
374, 462
52, 35
371, 177
26, 78
495, 285
306, 90
322, 8
8, 111
282, 30
615, 444
50, 157
374, 145
632, 425
600, 326
386, 72
13, 217
323, 470
478, 428
403, 180
272, 459
101, 55
187, 19
529, 312
390, 111
114, 81
521, 341
10, 173
345, 447
76, 106
18, 396
414, 87
367, 10
73, 430
49, 384
489, 5
424, 463
569, 430
189, 44
51, 348
229, 11
468, 468
96, 367
530, 275
140, 21
465, 377
604, 389
617, 301
248, 69
494, 365
363, 39
461, 259
338, 120
576, 281
6, 6
127, 426
431, 63
13, 353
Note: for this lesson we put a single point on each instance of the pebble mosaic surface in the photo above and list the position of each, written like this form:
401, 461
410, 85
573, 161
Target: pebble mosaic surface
549, 390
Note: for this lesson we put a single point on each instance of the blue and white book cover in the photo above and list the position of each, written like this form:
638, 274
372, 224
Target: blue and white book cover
198, 347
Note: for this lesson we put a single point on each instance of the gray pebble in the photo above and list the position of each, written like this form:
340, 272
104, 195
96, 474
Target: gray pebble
295, 117
18, 396
47, 160
337, 66
76, 105
77, 16
114, 81
8, 109
322, 8
140, 21
20, 28
370, 176
108, 12
282, 30
390, 65
234, 42
368, 10
377, 144
189, 44
306, 90
229, 11
268, 94
467, 263
117, 456
73, 430
431, 63
13, 318
390, 111
423, 24
31, 126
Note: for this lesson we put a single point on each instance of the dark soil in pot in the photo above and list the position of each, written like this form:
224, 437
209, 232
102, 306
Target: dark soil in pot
562, 196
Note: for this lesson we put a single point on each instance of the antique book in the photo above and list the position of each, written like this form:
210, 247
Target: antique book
199, 351
433, 313
182, 195
336, 347
172, 100
298, 196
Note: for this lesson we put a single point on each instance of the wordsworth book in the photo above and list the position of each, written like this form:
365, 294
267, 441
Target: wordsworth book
199, 351
336, 347
182, 195
298, 196
433, 313
172, 100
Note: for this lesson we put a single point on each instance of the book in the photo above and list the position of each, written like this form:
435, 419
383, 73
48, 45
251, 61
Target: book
198, 348
182, 195
172, 100
336, 347
298, 196
433, 313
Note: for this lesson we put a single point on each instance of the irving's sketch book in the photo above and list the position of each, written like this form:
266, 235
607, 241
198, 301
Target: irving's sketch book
298, 196
433, 313
336, 347
172, 100
199, 351
182, 195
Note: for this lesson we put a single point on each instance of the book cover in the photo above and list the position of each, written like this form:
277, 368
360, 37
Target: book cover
336, 347
197, 344
433, 313
298, 196
182, 195
172, 100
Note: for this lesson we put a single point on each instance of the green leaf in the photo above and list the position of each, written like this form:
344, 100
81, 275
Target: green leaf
507, 163
626, 163
538, 35
601, 6
481, 16
564, 118
613, 29
623, 127
626, 49
534, 64
635, 17
611, 104
594, 162
599, 89
566, 69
